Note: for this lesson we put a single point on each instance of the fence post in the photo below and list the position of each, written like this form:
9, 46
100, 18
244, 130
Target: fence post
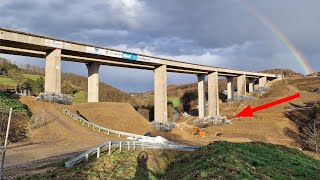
142, 146
120, 146
128, 145
98, 152
109, 152
134, 145
87, 157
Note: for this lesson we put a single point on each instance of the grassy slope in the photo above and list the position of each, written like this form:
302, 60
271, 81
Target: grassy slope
8, 81
7, 101
175, 101
245, 160
79, 96
221, 160
31, 76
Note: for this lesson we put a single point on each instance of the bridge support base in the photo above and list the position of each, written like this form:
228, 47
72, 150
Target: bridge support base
53, 71
213, 95
93, 82
201, 96
160, 94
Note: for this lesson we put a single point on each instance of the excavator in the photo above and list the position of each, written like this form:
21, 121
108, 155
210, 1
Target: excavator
196, 131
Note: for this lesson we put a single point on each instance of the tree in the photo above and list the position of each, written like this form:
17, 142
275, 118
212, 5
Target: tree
38, 85
67, 87
312, 131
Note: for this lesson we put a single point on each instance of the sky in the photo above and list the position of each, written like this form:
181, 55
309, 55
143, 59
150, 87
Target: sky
240, 34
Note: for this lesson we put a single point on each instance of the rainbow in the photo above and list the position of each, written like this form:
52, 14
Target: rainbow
282, 37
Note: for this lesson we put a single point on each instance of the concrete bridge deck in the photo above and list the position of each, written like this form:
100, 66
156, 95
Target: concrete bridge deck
55, 50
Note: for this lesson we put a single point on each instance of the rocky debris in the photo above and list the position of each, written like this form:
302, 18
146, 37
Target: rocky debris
185, 114
241, 98
262, 90
317, 90
164, 127
211, 121
55, 97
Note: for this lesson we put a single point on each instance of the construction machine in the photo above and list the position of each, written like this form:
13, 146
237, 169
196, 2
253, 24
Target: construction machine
197, 131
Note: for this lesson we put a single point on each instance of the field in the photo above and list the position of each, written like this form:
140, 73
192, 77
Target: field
7, 101
79, 96
31, 76
176, 102
8, 82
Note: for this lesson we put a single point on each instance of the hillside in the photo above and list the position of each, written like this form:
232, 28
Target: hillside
219, 160
285, 72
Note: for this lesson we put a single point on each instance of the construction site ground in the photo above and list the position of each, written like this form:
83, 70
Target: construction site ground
61, 137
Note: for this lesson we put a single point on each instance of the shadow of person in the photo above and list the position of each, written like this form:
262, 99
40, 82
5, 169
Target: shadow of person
142, 171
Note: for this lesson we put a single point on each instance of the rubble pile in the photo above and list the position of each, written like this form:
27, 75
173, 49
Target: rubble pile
164, 127
55, 97
211, 121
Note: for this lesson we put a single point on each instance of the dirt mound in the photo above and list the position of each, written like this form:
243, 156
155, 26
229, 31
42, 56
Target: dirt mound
117, 116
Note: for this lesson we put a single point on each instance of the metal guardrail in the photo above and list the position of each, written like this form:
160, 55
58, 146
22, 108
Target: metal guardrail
103, 129
169, 145
122, 145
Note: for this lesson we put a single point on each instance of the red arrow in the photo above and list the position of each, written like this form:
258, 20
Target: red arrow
248, 111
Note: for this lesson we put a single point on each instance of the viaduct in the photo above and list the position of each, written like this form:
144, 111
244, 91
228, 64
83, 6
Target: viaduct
54, 50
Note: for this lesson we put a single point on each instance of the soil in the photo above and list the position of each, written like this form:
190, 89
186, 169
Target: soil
61, 137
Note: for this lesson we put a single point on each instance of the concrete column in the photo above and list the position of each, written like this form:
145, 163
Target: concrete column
263, 82
230, 88
160, 94
251, 85
201, 95
93, 82
241, 85
53, 71
213, 95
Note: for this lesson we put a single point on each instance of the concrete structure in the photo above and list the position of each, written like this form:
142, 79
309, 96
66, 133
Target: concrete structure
53, 71
251, 85
241, 85
93, 82
262, 81
160, 94
230, 87
213, 94
55, 50
201, 96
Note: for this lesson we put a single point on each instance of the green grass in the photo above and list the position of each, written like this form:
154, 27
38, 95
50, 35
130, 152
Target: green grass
7, 101
6, 81
175, 101
220, 160
31, 76
79, 96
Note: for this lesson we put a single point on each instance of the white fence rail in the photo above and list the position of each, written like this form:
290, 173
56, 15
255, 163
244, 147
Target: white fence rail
129, 145
107, 130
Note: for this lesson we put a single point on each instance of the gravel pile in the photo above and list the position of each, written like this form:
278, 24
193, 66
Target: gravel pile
164, 127
55, 97
211, 121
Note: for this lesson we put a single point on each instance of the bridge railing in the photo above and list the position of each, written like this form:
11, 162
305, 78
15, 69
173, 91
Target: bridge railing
129, 145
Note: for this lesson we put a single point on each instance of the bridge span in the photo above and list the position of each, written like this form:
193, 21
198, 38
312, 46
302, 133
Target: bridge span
54, 50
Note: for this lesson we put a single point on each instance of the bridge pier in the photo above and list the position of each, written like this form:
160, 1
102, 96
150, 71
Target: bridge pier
93, 82
262, 81
251, 85
241, 85
230, 88
160, 94
53, 71
213, 95
201, 95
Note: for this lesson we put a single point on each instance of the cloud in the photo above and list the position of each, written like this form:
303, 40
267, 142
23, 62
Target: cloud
211, 32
